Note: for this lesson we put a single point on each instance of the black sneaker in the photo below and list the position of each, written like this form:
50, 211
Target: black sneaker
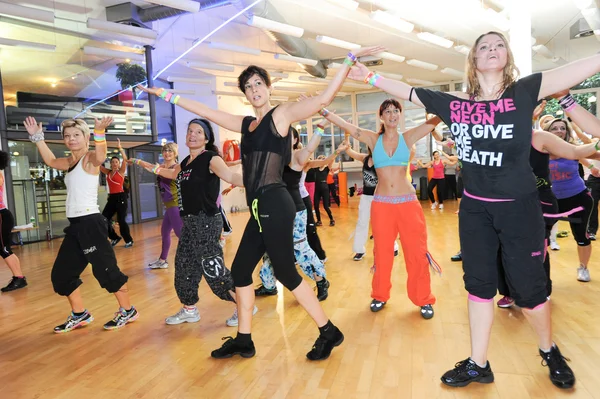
115, 241
122, 317
427, 312
232, 347
332, 223
15, 284
323, 346
592, 236
376, 305
396, 252
319, 223
457, 257
466, 372
561, 374
358, 256
129, 244
322, 289
264, 291
74, 322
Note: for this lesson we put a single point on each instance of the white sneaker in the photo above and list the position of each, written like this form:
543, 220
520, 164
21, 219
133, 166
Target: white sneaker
441, 206
226, 233
184, 316
158, 264
554, 246
434, 205
583, 274
233, 320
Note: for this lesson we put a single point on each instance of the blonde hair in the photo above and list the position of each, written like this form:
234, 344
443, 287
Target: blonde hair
173, 147
569, 136
510, 74
78, 124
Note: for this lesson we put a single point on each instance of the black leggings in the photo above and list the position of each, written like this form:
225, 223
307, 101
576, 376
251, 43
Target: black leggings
226, 226
579, 227
333, 193
85, 242
593, 184
441, 185
322, 191
7, 222
311, 230
273, 233
117, 203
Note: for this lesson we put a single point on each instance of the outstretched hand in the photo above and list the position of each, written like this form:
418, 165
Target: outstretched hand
537, 112
102, 124
358, 72
361, 52
32, 126
150, 90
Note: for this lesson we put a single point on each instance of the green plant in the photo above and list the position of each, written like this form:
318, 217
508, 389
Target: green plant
130, 75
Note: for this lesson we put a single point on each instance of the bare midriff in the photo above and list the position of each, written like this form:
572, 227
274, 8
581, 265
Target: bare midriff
393, 180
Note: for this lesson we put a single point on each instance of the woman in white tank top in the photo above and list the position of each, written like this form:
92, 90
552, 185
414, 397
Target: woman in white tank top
86, 236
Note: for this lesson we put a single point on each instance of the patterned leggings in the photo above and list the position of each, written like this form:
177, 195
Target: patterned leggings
307, 258
199, 254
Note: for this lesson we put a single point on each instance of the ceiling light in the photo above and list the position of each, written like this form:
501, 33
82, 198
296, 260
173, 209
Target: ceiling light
385, 4
291, 89
15, 10
337, 43
230, 84
583, 4
16, 153
21, 43
299, 60
274, 26
461, 48
185, 79
543, 50
208, 65
422, 64
325, 82
454, 72
435, 39
392, 21
185, 5
349, 4
137, 127
391, 56
280, 75
53, 84
279, 98
498, 20
104, 52
234, 48
420, 82
120, 28
228, 93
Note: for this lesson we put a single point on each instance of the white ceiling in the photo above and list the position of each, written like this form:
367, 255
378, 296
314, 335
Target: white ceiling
75, 73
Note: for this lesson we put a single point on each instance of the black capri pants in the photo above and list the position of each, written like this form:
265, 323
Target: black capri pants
512, 230
117, 203
441, 189
7, 222
270, 229
579, 226
311, 230
85, 242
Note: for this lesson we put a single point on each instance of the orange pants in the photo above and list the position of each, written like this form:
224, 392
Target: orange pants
390, 217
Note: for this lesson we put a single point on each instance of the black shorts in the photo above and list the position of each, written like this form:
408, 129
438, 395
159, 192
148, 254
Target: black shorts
7, 222
515, 230
579, 220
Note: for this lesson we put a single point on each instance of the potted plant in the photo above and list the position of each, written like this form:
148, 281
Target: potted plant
129, 75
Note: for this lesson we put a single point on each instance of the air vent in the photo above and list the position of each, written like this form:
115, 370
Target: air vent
580, 29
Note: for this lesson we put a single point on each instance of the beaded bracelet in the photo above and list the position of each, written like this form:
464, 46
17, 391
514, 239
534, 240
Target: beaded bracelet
567, 102
319, 131
323, 112
99, 136
156, 169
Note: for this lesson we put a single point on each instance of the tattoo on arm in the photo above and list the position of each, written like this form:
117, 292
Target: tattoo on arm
357, 132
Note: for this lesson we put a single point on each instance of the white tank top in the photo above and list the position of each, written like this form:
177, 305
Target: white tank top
82, 192
303, 191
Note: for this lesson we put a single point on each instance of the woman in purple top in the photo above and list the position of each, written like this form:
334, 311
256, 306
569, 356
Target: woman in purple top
572, 194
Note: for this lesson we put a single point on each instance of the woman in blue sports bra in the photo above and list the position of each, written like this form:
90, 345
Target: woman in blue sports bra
395, 209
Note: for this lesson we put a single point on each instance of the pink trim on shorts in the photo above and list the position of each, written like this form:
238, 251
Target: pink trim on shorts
486, 199
564, 214
538, 306
477, 299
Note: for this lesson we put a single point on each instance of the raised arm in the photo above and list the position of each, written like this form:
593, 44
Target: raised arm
417, 133
297, 111
123, 167
301, 156
99, 154
36, 135
219, 168
569, 75
424, 165
156, 168
366, 136
450, 159
104, 169
317, 163
358, 156
583, 120
549, 143
584, 139
223, 119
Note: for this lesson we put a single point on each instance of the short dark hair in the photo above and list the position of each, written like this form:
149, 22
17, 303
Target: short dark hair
117, 158
296, 136
435, 152
251, 71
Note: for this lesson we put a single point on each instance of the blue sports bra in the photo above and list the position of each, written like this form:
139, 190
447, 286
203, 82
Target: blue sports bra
400, 157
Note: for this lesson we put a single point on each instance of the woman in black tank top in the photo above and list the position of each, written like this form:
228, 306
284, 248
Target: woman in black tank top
266, 149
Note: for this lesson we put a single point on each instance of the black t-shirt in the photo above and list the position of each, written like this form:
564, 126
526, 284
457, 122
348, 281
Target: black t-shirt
291, 178
197, 186
311, 175
493, 138
264, 154
322, 175
369, 177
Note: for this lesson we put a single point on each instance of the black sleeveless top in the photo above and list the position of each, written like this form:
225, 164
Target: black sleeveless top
292, 180
540, 164
322, 175
197, 187
264, 154
369, 177
311, 175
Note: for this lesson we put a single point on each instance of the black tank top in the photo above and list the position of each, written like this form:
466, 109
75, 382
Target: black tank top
369, 177
292, 180
197, 187
264, 154
311, 175
322, 175
540, 164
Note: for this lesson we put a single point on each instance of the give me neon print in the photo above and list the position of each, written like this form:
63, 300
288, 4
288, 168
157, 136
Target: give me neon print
473, 122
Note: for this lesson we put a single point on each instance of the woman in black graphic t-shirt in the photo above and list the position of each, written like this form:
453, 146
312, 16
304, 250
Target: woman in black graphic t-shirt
491, 125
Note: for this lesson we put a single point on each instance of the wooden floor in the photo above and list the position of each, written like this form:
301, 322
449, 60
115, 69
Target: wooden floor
391, 354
